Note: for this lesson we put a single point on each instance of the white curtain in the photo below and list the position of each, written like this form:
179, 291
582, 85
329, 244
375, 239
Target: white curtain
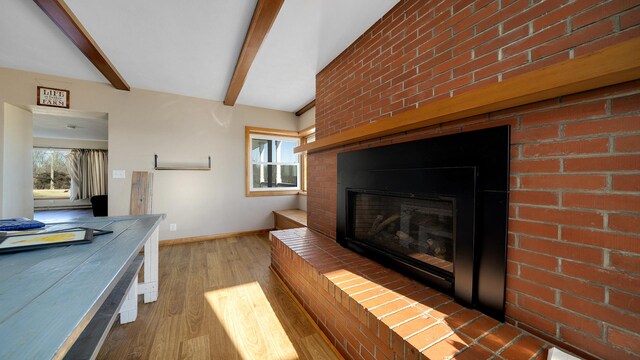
88, 171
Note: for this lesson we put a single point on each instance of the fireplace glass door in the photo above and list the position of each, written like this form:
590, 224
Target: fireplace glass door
421, 230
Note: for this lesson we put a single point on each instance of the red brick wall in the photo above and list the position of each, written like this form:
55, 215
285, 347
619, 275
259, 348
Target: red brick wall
422, 51
574, 228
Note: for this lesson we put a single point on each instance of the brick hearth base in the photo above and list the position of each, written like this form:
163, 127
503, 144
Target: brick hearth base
370, 312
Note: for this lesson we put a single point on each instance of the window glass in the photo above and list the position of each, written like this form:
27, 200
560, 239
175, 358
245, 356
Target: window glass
274, 165
286, 154
50, 176
273, 151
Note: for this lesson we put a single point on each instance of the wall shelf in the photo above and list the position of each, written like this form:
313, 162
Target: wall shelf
191, 168
612, 65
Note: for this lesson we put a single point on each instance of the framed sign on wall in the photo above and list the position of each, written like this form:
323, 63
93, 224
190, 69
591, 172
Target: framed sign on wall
53, 97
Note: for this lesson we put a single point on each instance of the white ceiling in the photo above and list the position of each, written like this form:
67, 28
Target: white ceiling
69, 124
191, 47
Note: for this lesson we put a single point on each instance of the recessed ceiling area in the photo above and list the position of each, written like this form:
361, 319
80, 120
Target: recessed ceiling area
191, 48
69, 124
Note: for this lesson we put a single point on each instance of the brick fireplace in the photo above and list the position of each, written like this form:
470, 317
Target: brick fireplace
573, 257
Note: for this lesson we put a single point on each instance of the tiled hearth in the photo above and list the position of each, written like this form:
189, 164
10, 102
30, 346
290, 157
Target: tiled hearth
370, 312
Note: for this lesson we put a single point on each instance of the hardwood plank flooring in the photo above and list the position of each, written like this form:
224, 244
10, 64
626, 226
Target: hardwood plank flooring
218, 300
55, 216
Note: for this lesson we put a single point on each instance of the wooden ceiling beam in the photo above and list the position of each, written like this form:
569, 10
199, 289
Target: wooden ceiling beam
306, 107
263, 18
62, 16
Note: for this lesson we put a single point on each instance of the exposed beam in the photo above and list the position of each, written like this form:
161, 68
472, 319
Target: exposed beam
62, 16
612, 65
306, 107
263, 18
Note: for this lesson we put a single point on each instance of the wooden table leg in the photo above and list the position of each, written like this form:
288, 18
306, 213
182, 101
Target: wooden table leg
129, 309
150, 286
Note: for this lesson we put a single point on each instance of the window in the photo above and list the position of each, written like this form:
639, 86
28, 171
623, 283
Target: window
50, 176
272, 166
308, 135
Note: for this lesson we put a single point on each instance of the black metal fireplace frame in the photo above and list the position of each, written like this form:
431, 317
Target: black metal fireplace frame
471, 167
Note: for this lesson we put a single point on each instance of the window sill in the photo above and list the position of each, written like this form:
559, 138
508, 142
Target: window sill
303, 193
272, 193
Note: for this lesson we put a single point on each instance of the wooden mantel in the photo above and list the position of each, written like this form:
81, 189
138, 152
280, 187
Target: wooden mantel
612, 65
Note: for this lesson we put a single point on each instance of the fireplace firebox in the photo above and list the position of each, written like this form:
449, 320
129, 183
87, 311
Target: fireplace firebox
433, 209
410, 227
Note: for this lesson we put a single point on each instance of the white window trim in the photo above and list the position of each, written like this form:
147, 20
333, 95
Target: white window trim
263, 134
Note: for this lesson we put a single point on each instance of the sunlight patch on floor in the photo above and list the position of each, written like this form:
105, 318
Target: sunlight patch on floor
259, 334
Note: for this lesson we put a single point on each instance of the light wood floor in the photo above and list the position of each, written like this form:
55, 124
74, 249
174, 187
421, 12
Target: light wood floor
218, 300
54, 216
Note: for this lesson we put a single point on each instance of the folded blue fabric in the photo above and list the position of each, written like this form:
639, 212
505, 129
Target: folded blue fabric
19, 224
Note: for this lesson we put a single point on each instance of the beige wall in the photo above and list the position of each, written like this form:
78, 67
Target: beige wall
302, 202
307, 119
180, 130
17, 199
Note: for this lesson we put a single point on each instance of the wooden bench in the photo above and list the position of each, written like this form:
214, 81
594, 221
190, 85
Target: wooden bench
290, 219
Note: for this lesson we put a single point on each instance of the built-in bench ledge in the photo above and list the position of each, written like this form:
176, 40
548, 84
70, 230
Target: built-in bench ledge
289, 219
370, 312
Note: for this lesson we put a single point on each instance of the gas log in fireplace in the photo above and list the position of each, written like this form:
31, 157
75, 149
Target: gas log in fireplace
435, 210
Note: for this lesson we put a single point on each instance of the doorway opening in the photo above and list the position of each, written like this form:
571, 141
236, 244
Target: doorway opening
70, 152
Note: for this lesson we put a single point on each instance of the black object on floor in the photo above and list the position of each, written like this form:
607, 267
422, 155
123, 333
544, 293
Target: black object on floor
100, 205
